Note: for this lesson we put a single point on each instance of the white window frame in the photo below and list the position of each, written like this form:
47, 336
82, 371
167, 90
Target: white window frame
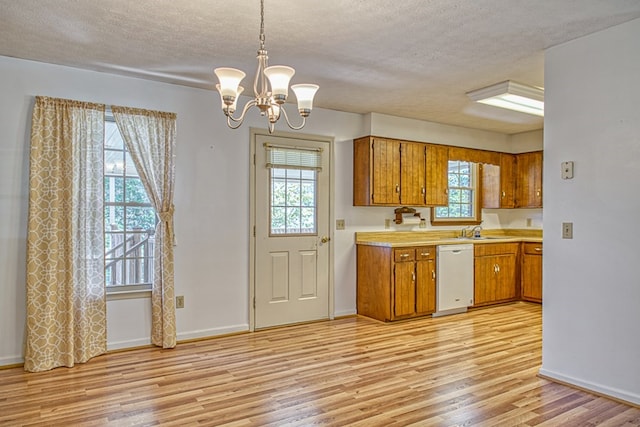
476, 217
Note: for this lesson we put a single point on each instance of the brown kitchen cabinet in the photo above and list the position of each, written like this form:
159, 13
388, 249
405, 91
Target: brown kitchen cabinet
495, 273
531, 272
515, 183
499, 183
396, 283
437, 175
529, 180
390, 172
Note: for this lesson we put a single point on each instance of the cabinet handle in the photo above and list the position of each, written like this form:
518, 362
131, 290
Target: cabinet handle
538, 193
498, 266
424, 190
538, 249
424, 254
504, 194
397, 188
433, 274
413, 276
404, 255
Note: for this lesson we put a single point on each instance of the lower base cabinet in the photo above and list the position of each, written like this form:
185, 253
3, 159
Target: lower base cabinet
531, 272
396, 283
495, 273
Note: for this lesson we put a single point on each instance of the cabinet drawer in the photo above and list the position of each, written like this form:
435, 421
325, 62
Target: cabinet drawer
486, 249
532, 248
425, 253
402, 255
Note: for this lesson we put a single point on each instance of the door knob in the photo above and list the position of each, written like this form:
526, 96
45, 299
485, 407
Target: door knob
325, 239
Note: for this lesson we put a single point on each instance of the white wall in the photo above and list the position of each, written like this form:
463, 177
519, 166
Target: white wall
212, 198
591, 312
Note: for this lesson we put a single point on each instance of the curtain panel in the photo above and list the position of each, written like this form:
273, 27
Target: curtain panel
150, 139
66, 307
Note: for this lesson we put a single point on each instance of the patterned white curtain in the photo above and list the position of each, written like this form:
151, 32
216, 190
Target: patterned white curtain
150, 139
66, 307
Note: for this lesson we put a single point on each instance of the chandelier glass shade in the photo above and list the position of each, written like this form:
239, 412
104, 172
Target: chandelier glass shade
270, 89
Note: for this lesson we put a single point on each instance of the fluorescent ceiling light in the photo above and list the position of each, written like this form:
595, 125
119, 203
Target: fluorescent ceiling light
512, 96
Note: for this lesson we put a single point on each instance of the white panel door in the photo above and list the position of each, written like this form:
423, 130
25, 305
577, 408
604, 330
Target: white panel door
291, 236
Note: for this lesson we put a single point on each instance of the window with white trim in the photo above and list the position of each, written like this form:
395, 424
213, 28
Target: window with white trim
129, 219
463, 194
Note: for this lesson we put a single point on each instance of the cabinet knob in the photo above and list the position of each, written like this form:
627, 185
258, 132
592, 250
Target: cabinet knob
504, 194
397, 188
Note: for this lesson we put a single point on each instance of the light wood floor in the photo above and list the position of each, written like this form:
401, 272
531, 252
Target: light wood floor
473, 369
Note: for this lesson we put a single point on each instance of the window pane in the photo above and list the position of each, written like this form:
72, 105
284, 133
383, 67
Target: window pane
113, 218
465, 180
130, 167
293, 173
113, 189
140, 218
113, 162
114, 245
278, 220
279, 173
465, 196
278, 192
442, 212
308, 194
112, 137
465, 211
308, 220
293, 193
465, 168
308, 174
454, 180
293, 220
135, 191
454, 196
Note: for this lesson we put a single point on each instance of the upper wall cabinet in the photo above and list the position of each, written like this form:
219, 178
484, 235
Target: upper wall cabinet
529, 180
498, 183
389, 172
516, 183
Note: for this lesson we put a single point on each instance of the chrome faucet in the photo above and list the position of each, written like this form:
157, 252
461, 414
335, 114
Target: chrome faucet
475, 231
463, 232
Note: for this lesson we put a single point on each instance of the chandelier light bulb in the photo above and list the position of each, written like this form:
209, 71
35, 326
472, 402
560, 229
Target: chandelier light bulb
230, 79
304, 95
279, 77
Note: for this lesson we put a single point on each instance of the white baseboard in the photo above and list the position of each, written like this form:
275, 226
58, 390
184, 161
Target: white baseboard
342, 313
600, 389
213, 332
121, 345
11, 360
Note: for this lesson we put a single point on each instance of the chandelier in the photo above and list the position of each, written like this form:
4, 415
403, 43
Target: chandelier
270, 88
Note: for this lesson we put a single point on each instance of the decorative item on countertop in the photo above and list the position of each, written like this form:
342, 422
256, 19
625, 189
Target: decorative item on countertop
414, 219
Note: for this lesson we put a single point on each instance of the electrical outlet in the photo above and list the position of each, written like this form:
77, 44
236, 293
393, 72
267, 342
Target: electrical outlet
180, 301
567, 230
340, 224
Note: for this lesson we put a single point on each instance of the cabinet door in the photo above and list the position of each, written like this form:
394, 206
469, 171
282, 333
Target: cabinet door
529, 180
490, 186
437, 175
507, 181
426, 286
531, 273
495, 278
385, 172
404, 289
506, 277
412, 173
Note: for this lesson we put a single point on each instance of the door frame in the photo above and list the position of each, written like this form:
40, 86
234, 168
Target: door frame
252, 214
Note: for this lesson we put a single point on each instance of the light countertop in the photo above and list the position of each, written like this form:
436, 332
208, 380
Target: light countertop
399, 239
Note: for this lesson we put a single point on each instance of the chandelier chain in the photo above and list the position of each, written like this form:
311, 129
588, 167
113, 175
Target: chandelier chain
262, 38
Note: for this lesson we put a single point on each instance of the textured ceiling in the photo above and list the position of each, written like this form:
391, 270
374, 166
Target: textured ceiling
410, 58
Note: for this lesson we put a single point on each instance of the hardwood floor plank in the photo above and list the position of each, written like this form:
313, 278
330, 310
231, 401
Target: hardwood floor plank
473, 369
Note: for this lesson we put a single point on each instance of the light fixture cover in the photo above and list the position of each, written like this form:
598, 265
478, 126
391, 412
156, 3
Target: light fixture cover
512, 96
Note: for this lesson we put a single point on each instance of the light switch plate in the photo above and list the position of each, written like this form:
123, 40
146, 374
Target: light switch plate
567, 170
567, 230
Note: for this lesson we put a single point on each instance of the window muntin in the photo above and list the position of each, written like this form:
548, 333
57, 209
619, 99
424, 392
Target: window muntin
293, 207
463, 190
129, 219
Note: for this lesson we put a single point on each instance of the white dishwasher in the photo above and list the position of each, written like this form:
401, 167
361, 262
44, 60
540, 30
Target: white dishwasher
454, 284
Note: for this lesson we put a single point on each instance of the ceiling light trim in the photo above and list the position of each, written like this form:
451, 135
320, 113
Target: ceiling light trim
512, 96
